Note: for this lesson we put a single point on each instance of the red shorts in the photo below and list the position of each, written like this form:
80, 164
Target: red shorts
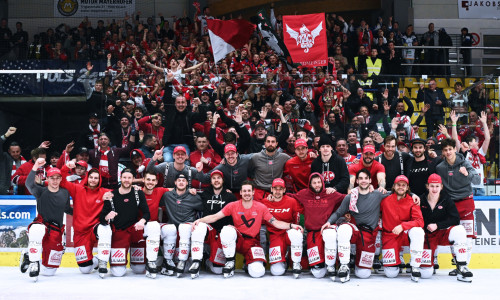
121, 241
315, 248
432, 241
365, 245
391, 245
278, 245
52, 243
84, 244
250, 248
213, 241
467, 212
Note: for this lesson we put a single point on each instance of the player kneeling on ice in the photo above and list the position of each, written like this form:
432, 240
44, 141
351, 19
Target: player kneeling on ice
45, 233
214, 199
122, 211
286, 209
362, 230
248, 216
442, 228
402, 224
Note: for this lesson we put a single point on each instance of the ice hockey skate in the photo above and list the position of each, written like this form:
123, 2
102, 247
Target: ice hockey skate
24, 261
103, 268
34, 270
228, 269
167, 268
194, 270
377, 265
151, 269
463, 273
179, 269
331, 272
296, 269
344, 273
415, 274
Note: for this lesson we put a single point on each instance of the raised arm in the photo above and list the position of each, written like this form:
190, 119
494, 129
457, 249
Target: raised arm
486, 130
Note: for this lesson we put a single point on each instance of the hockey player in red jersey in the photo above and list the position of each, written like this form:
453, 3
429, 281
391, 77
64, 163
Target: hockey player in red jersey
402, 224
248, 216
286, 209
318, 206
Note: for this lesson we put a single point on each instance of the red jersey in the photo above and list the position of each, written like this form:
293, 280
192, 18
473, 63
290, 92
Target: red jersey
247, 221
153, 201
213, 161
287, 210
147, 127
349, 159
403, 212
374, 169
296, 172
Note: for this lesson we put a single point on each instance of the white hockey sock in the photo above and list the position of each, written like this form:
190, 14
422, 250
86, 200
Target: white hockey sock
344, 234
197, 241
228, 240
35, 237
330, 240
104, 234
378, 243
152, 231
416, 235
169, 237
296, 238
184, 241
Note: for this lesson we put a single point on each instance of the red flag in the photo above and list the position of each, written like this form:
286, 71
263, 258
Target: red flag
305, 38
227, 36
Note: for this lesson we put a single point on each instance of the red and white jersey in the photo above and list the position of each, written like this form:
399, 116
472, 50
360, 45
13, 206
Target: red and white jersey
247, 221
153, 201
349, 159
477, 165
287, 210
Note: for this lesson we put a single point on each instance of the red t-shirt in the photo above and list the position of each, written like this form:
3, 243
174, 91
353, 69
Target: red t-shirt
247, 221
375, 168
287, 210
153, 201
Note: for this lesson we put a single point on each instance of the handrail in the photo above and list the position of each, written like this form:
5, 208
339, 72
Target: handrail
446, 47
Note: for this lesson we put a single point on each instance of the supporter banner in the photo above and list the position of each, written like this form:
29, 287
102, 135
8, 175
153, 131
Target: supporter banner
93, 8
305, 38
15, 216
479, 9
70, 84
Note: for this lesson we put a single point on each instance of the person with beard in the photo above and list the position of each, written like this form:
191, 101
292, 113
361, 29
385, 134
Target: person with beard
331, 166
267, 165
248, 216
182, 208
20, 177
88, 200
89, 139
395, 163
205, 155
341, 149
122, 211
214, 198
298, 168
318, 206
442, 227
375, 168
402, 224
286, 209
420, 166
149, 144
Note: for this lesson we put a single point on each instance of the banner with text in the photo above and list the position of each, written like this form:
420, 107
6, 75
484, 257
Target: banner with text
478, 9
93, 8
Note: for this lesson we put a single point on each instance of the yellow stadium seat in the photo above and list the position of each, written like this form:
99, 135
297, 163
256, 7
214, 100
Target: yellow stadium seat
402, 91
414, 93
469, 81
493, 94
454, 80
422, 131
441, 83
447, 92
400, 82
416, 105
414, 118
447, 110
495, 105
410, 82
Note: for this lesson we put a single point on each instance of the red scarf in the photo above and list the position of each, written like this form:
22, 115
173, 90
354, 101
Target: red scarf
95, 133
477, 156
103, 164
125, 137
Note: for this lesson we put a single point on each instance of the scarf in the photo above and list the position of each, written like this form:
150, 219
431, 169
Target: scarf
103, 164
477, 157
125, 137
354, 200
95, 133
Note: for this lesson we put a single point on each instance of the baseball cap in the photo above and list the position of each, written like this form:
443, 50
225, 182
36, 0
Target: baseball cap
278, 182
434, 178
230, 147
53, 171
82, 150
180, 175
131, 102
204, 92
179, 148
300, 143
82, 163
93, 115
401, 178
135, 153
215, 172
400, 143
369, 148
418, 141
258, 125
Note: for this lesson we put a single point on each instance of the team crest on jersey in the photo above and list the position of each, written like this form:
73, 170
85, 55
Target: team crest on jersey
313, 255
97, 201
328, 175
137, 255
118, 255
275, 254
366, 259
388, 256
426, 257
81, 254
258, 253
55, 258
125, 200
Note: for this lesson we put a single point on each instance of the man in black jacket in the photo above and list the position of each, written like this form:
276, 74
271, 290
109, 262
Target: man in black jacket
436, 100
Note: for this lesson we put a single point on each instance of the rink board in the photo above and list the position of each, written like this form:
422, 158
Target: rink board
16, 213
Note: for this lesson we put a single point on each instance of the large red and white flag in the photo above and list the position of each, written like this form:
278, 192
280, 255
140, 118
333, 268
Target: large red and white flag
227, 36
305, 38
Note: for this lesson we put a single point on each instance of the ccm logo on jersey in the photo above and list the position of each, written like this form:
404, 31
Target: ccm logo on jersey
279, 210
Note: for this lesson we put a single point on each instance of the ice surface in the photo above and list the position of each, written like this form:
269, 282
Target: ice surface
69, 283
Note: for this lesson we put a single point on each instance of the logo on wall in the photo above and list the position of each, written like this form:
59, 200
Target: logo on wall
67, 8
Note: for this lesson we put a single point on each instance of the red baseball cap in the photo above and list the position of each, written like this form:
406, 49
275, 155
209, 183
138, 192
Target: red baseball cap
369, 148
215, 172
179, 148
82, 163
401, 178
230, 147
53, 171
434, 178
300, 143
279, 182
